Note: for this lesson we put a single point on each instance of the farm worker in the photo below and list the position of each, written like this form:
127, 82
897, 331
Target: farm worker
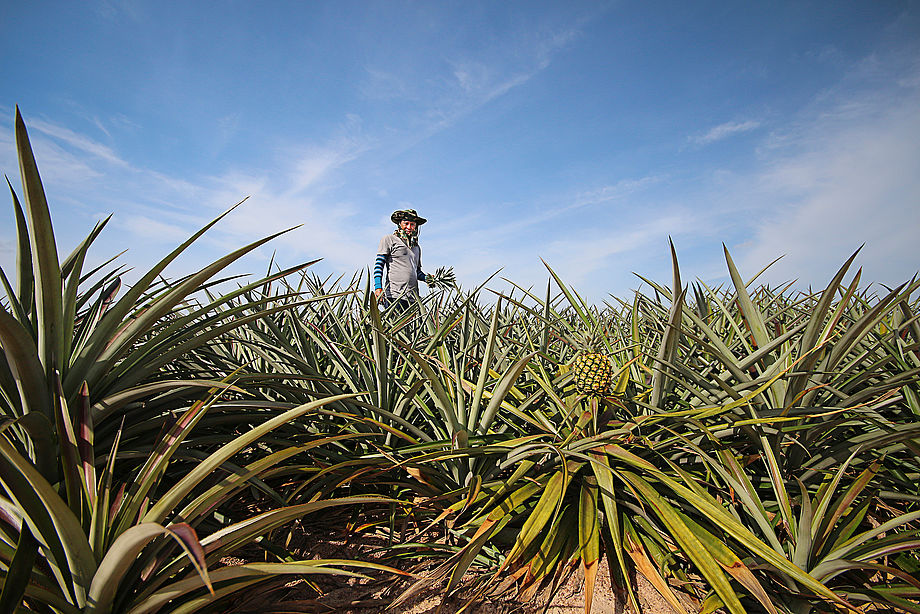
401, 255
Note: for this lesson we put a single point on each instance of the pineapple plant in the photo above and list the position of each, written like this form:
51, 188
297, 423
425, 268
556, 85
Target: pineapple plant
591, 367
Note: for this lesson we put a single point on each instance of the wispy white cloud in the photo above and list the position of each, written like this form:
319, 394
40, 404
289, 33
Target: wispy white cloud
441, 97
301, 191
479, 83
504, 67
78, 169
842, 173
859, 185
227, 128
315, 165
619, 190
87, 180
843, 177
581, 257
723, 131
483, 80
77, 141
568, 205
154, 230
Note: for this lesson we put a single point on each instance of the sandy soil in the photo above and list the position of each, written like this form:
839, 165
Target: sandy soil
350, 596
342, 595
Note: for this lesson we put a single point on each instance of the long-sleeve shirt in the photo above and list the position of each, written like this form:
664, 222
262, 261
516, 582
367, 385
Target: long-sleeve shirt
403, 267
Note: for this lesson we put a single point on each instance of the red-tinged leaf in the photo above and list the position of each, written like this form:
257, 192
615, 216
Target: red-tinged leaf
189, 539
118, 500
134, 502
85, 444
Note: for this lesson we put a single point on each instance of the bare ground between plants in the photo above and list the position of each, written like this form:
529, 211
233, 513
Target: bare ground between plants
363, 597
345, 595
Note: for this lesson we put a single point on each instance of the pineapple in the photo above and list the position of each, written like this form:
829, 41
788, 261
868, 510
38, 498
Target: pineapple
591, 368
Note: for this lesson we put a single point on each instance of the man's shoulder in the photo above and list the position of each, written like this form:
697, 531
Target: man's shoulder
388, 240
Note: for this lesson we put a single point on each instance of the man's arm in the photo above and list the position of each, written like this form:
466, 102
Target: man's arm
383, 257
378, 274
378, 271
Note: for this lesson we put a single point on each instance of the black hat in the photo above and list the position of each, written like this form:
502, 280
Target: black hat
407, 214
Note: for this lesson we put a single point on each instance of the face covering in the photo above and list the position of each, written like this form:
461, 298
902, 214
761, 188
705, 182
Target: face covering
409, 238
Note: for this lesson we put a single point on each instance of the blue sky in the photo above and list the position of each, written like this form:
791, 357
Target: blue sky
582, 133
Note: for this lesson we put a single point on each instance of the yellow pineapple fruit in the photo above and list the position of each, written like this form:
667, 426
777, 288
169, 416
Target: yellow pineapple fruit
591, 368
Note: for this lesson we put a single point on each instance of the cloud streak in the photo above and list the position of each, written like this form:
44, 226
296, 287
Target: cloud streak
724, 131
78, 141
439, 99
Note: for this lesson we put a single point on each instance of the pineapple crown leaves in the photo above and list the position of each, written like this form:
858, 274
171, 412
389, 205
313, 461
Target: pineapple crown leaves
590, 341
442, 279
586, 340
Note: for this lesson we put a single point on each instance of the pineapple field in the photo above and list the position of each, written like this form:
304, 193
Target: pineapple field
172, 446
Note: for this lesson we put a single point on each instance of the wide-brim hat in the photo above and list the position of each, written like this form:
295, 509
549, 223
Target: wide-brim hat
407, 214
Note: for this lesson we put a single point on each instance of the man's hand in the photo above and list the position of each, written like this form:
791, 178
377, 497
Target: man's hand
377, 293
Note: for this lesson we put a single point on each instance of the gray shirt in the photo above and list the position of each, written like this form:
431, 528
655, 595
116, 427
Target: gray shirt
403, 265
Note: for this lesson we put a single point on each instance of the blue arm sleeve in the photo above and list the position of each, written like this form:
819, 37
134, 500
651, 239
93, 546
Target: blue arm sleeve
420, 275
378, 271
